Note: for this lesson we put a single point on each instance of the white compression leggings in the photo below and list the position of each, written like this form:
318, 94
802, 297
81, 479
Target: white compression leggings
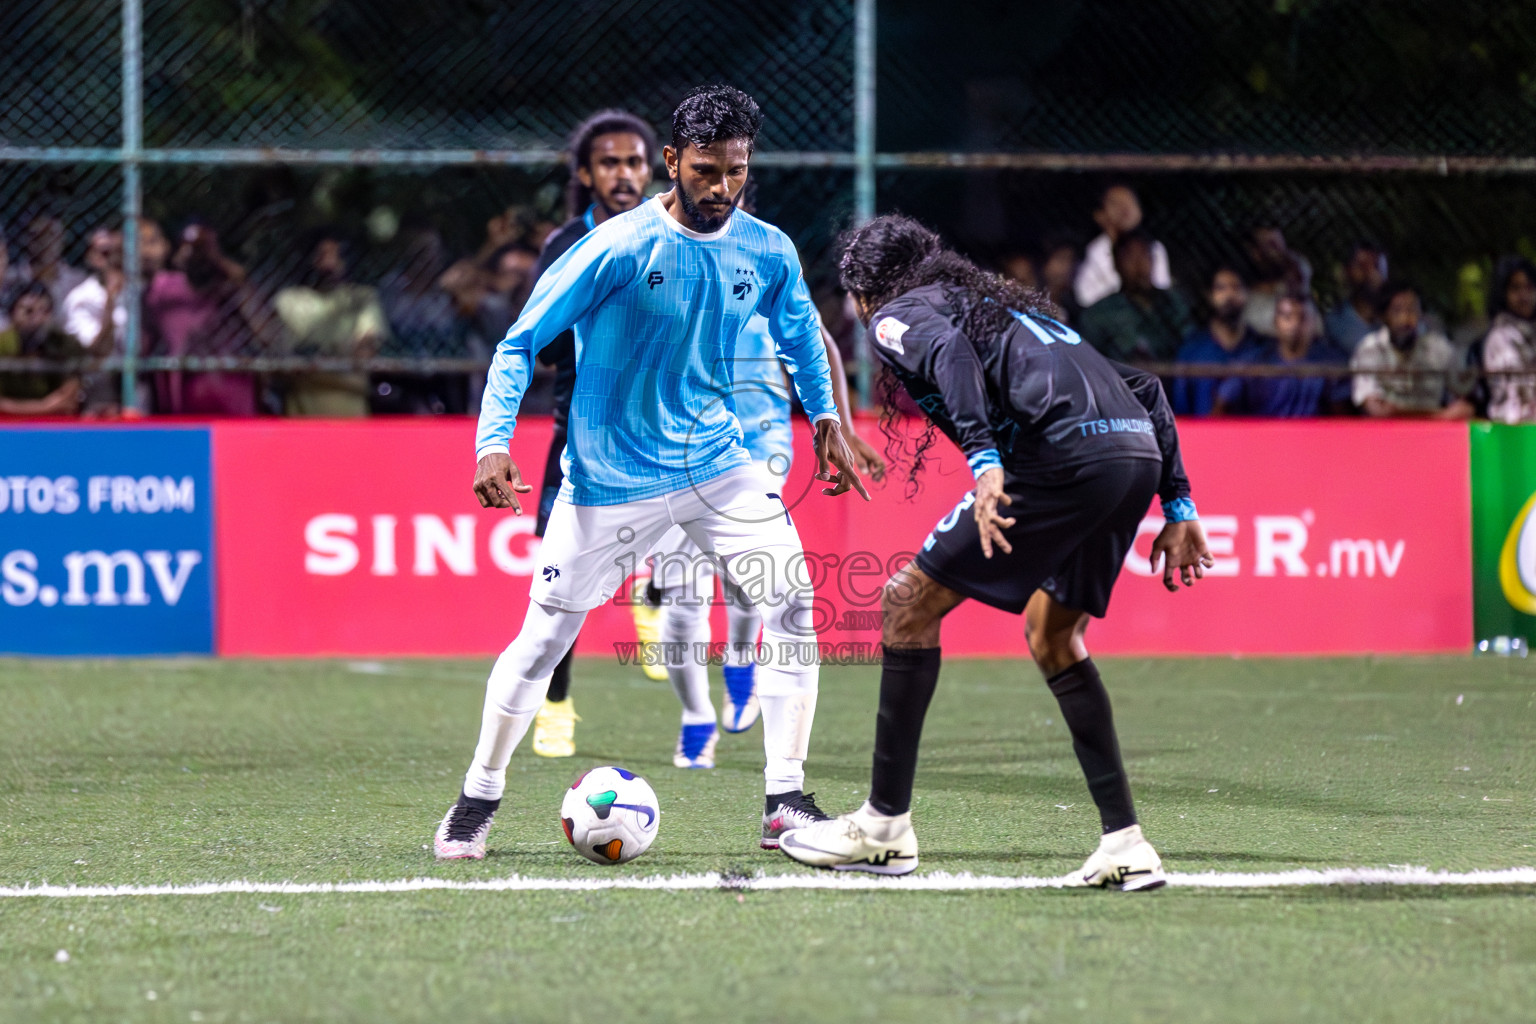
685, 622
520, 678
515, 692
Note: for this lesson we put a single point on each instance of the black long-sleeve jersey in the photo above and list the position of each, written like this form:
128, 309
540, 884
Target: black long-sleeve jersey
561, 353
1034, 394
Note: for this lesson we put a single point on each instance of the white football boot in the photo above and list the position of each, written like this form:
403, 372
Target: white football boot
740, 708
783, 812
848, 843
695, 746
1124, 861
461, 836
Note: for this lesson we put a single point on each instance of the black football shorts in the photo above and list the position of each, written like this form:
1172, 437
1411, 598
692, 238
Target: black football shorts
1073, 529
554, 476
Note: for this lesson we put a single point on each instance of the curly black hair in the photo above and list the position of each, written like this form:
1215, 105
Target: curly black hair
712, 113
891, 255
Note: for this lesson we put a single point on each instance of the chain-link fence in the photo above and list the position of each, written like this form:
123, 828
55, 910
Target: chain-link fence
421, 137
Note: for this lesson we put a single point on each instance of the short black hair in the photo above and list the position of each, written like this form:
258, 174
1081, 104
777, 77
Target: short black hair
312, 239
31, 288
1365, 245
713, 113
1508, 267
1226, 267
605, 122
1135, 236
1391, 290
493, 262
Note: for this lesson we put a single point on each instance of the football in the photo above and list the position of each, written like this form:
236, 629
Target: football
610, 815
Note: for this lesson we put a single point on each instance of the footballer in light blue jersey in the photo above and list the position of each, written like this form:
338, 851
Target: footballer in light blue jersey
659, 310
659, 298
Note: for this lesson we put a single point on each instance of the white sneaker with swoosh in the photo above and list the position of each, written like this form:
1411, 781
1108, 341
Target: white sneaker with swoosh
845, 844
1124, 861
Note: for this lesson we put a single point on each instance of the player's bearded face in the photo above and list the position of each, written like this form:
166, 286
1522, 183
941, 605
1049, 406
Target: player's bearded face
709, 181
618, 171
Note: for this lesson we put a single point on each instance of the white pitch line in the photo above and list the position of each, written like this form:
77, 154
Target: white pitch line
934, 882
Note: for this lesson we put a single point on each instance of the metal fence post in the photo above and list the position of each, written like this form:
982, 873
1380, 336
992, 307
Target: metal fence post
864, 152
133, 150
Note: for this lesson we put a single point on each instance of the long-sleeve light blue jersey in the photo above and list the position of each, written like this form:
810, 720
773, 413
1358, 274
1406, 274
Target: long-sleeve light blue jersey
657, 311
760, 400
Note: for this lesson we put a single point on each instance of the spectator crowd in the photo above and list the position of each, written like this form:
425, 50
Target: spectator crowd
199, 301
1252, 323
1263, 346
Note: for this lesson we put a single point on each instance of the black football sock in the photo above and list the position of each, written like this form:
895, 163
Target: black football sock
560, 682
1085, 707
477, 803
908, 677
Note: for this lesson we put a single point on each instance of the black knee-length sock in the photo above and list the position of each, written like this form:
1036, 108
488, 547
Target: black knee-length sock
1085, 707
908, 677
560, 682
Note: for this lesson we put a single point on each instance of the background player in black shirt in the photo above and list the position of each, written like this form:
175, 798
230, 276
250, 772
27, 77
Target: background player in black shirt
1075, 447
611, 154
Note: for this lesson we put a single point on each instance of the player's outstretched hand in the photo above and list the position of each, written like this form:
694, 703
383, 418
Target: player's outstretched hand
1182, 547
498, 483
989, 495
832, 453
865, 458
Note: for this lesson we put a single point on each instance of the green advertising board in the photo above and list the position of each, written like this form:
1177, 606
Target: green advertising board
1504, 531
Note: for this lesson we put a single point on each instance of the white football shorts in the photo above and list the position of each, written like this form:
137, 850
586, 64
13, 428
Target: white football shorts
738, 518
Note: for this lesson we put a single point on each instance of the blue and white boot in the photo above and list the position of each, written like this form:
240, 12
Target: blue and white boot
696, 746
739, 711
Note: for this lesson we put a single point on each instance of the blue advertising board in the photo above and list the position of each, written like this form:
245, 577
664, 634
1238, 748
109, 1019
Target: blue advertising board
106, 541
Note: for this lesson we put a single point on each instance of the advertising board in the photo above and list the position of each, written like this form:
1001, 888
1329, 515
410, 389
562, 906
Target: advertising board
105, 541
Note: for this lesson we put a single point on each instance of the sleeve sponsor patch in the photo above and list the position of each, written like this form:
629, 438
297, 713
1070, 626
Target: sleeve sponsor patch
888, 334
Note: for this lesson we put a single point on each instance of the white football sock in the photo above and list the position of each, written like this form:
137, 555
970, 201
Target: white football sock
743, 624
882, 827
687, 623
515, 692
1121, 840
787, 721
787, 681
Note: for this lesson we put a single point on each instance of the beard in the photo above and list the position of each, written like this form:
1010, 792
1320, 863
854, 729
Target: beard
704, 223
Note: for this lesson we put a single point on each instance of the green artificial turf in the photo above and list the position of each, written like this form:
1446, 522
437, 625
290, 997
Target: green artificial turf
151, 772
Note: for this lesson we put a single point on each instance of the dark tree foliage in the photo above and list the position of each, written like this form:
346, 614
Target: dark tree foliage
1321, 77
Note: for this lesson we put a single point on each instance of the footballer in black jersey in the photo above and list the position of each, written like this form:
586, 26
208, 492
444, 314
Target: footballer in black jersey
611, 156
1073, 447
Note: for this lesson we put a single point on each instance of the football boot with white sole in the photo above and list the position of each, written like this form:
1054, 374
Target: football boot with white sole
695, 746
461, 836
785, 811
1124, 861
740, 710
846, 844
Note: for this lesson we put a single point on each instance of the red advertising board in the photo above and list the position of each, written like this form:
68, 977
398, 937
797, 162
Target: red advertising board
363, 538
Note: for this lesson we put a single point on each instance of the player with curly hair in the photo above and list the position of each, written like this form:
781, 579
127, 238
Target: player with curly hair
1074, 447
